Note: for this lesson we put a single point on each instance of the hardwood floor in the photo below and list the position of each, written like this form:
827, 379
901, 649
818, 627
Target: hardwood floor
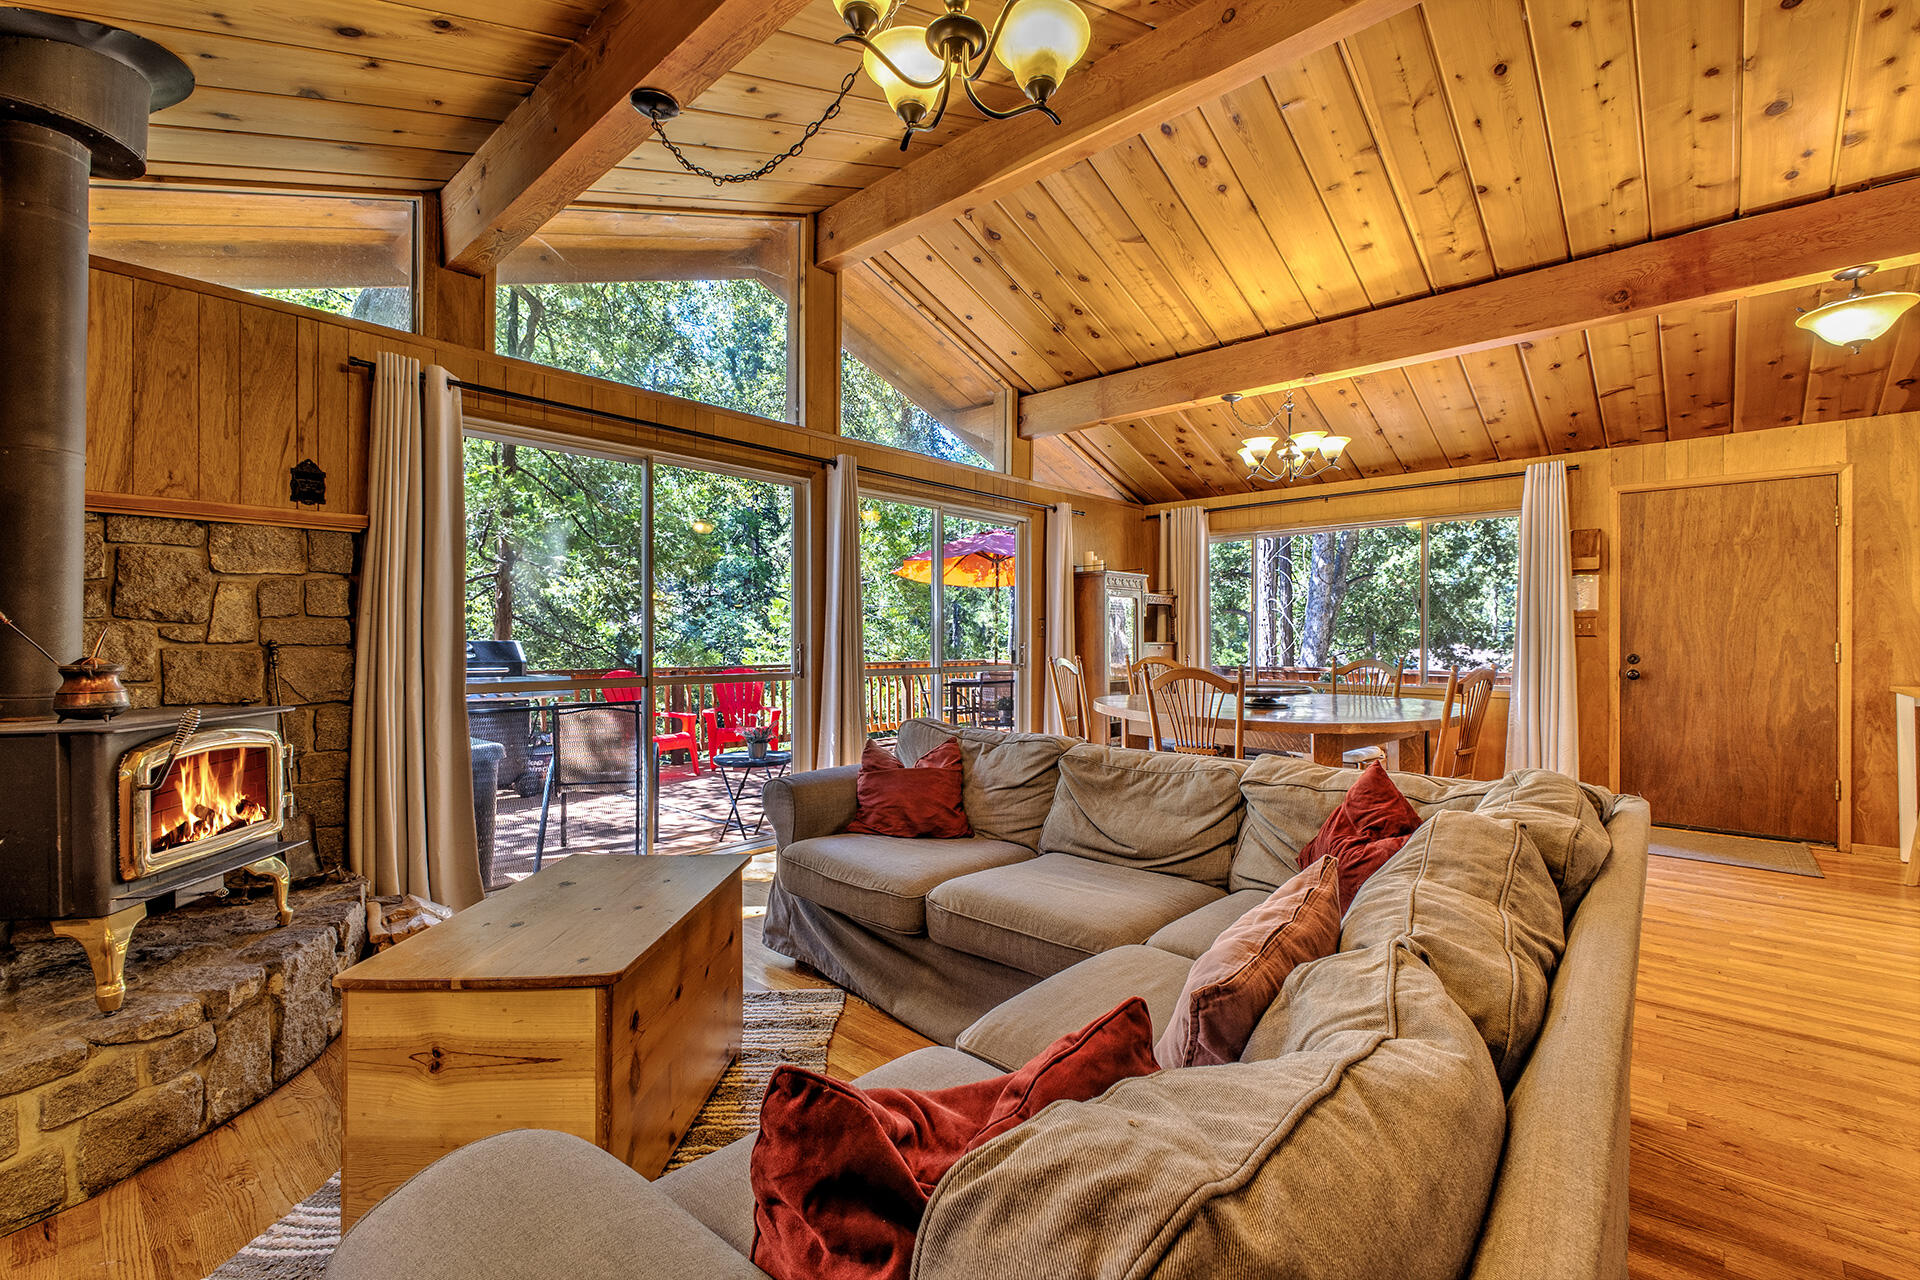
1776, 1098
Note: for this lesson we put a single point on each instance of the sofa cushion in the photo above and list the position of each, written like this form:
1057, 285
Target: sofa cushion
921, 802
1366, 828
1288, 801
1194, 932
717, 1189
1368, 1151
1152, 810
1043, 915
1014, 1031
1009, 778
1559, 814
883, 880
1228, 990
1473, 894
841, 1174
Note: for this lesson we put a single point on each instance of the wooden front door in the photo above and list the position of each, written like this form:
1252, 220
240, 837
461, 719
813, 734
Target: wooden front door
1729, 632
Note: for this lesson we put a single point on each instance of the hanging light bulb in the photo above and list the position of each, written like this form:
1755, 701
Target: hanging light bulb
906, 49
1040, 41
701, 525
862, 16
1859, 317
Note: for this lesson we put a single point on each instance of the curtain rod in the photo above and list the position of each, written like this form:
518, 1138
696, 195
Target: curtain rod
1329, 497
525, 398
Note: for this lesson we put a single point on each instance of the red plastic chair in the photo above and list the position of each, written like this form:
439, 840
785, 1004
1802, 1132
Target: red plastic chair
681, 739
736, 706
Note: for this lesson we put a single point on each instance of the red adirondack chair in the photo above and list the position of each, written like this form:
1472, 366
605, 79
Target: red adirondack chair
681, 739
736, 706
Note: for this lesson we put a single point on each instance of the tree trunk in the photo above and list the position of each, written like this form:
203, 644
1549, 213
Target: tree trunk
508, 554
1327, 583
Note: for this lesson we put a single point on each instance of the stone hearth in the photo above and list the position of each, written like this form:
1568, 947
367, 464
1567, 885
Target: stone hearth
222, 1007
194, 608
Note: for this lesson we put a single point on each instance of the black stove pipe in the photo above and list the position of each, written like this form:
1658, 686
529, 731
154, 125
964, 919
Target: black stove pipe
74, 101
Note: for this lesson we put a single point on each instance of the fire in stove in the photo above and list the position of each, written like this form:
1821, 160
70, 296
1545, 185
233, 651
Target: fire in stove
210, 794
222, 788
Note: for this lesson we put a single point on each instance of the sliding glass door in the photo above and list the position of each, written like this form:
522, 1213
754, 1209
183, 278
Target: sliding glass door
631, 650
944, 597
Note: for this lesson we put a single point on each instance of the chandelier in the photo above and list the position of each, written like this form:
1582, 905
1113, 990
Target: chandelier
1859, 317
1293, 455
1037, 41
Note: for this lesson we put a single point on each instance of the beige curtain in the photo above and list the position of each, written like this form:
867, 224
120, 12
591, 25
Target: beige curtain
1059, 604
1183, 571
843, 712
1543, 720
410, 801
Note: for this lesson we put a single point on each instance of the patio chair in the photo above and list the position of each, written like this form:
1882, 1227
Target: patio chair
735, 707
684, 722
595, 744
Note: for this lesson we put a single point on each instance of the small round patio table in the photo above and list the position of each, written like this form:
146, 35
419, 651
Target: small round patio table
742, 764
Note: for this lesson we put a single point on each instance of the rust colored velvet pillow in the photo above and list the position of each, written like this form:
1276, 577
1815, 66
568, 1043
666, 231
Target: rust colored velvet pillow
1369, 827
1230, 986
918, 803
841, 1175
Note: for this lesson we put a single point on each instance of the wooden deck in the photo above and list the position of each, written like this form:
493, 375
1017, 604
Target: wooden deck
1776, 1076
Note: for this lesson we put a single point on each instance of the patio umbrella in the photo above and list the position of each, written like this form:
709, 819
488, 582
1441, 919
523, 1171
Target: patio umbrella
984, 559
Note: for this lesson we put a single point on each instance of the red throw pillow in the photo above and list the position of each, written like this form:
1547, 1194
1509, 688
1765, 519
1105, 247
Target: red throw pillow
918, 803
1368, 828
841, 1175
1229, 988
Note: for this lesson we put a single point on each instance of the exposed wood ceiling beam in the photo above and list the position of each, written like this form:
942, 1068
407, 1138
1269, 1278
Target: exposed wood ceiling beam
1192, 59
1760, 254
577, 125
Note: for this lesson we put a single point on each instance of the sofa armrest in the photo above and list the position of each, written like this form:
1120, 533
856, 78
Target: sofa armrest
816, 803
533, 1204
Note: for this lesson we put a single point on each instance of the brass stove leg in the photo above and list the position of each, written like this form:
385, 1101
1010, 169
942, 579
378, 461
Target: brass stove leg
105, 939
277, 868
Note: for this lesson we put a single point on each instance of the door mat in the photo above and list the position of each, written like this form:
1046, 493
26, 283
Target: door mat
1790, 857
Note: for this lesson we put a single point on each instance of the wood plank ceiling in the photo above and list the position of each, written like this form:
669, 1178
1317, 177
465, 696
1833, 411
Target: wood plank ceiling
1461, 140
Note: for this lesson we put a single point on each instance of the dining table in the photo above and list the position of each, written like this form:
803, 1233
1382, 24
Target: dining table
1322, 724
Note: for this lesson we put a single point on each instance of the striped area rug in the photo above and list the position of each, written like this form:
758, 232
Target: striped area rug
780, 1028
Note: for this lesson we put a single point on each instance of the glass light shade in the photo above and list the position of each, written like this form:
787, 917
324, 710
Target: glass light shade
907, 47
1247, 456
1309, 439
701, 524
1042, 39
881, 9
1857, 319
1334, 446
1260, 446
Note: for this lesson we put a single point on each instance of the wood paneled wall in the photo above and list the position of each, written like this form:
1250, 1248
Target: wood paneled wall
1879, 461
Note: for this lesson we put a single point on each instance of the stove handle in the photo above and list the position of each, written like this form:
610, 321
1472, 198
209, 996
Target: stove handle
182, 733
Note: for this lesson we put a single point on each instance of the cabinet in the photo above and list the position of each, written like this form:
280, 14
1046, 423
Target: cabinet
1110, 620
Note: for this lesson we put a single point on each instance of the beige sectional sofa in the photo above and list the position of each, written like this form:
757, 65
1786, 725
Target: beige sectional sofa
1445, 1096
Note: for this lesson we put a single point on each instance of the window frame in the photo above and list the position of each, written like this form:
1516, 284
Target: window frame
1426, 523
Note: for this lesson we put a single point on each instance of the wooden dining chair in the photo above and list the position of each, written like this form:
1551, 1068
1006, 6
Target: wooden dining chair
1070, 692
1141, 673
1373, 678
1183, 715
1461, 721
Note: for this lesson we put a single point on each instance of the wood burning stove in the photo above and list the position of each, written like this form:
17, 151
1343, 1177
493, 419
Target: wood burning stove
103, 817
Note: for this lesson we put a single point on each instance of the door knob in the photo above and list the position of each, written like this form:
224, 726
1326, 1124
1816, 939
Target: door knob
1633, 673
1633, 659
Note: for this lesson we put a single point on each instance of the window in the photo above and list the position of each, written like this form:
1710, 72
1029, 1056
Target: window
699, 306
905, 381
350, 255
1429, 595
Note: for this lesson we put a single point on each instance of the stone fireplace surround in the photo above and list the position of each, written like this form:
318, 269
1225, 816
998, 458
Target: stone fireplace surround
192, 607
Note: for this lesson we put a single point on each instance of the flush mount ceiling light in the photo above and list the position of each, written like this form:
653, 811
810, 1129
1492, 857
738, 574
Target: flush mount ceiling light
1037, 41
1860, 317
1292, 455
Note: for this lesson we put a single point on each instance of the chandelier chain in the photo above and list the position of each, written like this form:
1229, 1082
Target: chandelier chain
753, 175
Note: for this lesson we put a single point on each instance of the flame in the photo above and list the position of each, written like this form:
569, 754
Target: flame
211, 789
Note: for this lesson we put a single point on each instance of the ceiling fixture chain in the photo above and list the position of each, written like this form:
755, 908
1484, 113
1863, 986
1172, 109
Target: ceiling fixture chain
1037, 41
660, 115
